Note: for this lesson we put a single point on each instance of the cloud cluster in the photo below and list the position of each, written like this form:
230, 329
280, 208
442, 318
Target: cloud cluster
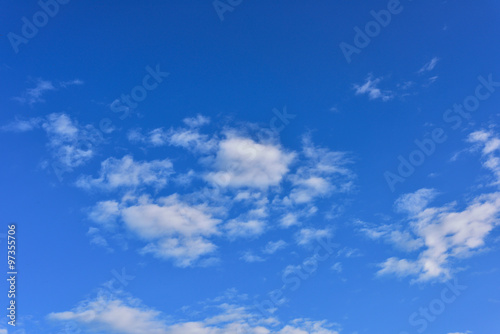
70, 143
245, 184
128, 316
127, 173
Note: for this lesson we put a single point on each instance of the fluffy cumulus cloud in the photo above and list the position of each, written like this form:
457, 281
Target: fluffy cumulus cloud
171, 228
242, 162
128, 316
127, 173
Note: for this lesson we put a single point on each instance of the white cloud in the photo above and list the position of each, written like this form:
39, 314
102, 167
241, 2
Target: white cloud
237, 228
447, 234
242, 162
250, 257
35, 94
289, 219
22, 125
429, 66
74, 82
120, 316
97, 239
370, 88
322, 172
403, 239
489, 145
400, 268
188, 138
308, 235
274, 246
71, 144
244, 183
196, 122
337, 266
414, 202
114, 315
127, 173
172, 228
105, 212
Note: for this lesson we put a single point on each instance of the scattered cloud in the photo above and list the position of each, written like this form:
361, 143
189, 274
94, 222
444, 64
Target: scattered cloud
71, 144
20, 125
250, 257
172, 228
243, 182
337, 267
306, 236
489, 145
274, 246
415, 202
447, 234
35, 94
129, 316
127, 173
370, 88
242, 162
322, 173
244, 228
429, 66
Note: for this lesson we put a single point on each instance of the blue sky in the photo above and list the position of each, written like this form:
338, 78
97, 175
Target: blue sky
252, 167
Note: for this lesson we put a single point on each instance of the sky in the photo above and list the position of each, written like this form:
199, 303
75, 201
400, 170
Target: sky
234, 166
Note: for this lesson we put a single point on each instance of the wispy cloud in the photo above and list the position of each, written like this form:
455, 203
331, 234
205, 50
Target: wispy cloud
273, 246
35, 94
446, 234
127, 173
370, 88
429, 66
20, 125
